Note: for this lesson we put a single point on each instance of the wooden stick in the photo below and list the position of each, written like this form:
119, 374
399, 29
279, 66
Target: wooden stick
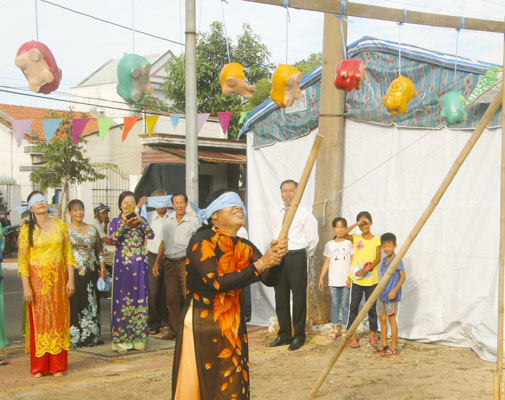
290, 215
486, 118
391, 14
498, 375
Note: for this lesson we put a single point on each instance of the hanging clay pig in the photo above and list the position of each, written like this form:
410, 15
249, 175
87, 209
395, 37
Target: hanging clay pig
134, 80
286, 85
399, 94
453, 107
39, 67
232, 80
349, 75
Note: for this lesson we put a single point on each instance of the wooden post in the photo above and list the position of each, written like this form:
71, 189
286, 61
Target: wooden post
329, 163
498, 375
486, 118
370, 11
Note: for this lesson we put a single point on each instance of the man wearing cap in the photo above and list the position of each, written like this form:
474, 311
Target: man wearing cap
101, 223
157, 220
181, 225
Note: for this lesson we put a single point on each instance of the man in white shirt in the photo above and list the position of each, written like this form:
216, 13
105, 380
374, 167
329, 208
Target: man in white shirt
302, 242
181, 225
157, 219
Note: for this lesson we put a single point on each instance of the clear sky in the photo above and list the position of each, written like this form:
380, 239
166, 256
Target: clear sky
81, 44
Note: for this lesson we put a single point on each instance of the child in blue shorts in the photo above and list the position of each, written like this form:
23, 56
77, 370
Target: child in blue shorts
387, 304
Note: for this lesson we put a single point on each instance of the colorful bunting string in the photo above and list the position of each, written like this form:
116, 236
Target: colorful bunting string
224, 120
103, 127
128, 125
50, 127
78, 125
19, 128
151, 121
174, 119
201, 118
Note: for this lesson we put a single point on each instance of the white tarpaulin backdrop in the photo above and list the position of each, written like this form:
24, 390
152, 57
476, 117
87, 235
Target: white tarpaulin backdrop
450, 295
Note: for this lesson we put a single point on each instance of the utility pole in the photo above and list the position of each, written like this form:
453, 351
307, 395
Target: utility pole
191, 102
329, 161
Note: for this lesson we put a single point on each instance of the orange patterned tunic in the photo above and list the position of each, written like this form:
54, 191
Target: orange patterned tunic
45, 263
218, 267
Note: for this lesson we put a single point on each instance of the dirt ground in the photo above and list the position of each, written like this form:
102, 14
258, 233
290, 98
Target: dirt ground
421, 371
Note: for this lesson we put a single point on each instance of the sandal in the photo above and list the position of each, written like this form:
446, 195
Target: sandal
344, 332
388, 352
379, 349
3, 362
333, 334
353, 343
372, 341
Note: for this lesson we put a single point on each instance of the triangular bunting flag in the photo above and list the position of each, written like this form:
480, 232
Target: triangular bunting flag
128, 124
151, 121
174, 119
224, 120
103, 127
78, 125
50, 127
201, 118
243, 114
19, 128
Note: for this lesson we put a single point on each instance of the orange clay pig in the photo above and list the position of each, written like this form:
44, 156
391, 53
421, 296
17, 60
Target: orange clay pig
232, 80
286, 85
399, 94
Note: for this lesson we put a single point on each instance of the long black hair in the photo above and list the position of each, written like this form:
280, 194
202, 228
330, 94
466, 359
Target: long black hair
31, 220
210, 198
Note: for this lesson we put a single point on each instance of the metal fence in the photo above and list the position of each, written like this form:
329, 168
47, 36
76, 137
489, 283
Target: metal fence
107, 190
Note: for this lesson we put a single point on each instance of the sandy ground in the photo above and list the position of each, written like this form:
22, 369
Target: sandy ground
421, 371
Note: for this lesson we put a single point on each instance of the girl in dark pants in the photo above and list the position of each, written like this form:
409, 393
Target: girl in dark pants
364, 274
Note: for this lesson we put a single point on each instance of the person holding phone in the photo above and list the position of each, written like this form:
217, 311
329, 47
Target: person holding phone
129, 284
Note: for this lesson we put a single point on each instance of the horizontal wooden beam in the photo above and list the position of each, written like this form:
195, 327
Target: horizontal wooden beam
391, 14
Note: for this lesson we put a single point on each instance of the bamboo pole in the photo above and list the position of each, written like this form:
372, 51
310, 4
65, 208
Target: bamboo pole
486, 118
391, 14
290, 215
498, 375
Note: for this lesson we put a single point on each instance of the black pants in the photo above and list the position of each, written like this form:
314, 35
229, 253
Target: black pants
293, 279
155, 289
356, 296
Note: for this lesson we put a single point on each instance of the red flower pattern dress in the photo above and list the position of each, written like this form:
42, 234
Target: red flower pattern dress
217, 268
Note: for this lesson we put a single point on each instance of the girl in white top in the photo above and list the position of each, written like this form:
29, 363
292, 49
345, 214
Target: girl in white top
338, 255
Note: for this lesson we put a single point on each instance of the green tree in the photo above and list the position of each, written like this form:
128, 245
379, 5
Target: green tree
314, 60
263, 88
65, 163
211, 55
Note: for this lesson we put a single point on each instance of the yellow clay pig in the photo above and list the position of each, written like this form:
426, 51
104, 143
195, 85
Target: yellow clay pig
399, 94
232, 80
286, 85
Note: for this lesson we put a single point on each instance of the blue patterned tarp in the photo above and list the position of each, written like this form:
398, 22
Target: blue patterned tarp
432, 73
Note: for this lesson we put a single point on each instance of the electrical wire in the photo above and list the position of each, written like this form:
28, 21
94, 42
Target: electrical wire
111, 23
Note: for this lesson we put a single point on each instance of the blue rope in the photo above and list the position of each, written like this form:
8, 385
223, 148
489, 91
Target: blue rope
344, 46
225, 31
461, 26
400, 41
36, 21
285, 3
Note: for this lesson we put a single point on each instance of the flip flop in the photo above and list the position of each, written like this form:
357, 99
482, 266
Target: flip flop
333, 334
3, 362
372, 341
389, 352
353, 343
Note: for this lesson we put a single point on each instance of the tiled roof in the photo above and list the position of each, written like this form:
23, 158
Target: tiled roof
37, 115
